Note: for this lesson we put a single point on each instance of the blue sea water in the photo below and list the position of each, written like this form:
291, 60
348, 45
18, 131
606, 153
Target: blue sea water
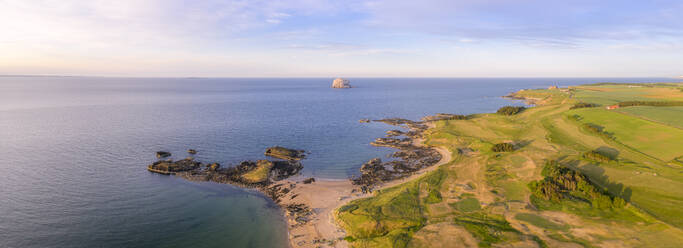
73, 150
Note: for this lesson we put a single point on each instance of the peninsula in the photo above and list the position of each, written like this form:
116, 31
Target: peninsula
568, 172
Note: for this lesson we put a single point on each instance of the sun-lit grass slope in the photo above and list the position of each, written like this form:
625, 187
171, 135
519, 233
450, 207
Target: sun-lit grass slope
631, 198
389, 218
658, 140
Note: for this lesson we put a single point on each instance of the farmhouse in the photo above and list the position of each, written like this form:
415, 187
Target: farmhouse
615, 106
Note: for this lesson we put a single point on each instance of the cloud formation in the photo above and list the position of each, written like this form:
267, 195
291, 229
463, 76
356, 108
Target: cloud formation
317, 38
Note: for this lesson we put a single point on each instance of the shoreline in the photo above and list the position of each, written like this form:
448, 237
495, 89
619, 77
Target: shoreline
324, 196
308, 204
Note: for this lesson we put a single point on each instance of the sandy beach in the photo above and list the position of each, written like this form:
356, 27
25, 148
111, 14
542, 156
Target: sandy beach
324, 196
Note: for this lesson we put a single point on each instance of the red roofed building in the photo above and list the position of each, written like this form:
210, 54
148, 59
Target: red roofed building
615, 106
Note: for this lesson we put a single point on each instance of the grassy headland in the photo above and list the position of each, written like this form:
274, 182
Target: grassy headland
570, 177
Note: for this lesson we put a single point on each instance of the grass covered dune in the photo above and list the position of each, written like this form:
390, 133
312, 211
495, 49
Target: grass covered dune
565, 173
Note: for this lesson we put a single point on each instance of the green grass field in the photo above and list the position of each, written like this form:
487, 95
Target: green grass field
658, 140
489, 200
672, 116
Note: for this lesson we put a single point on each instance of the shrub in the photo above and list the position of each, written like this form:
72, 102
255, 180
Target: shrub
510, 110
575, 117
503, 147
597, 157
561, 182
433, 197
584, 105
596, 129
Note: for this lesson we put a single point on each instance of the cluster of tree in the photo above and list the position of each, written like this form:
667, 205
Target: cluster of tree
597, 157
597, 130
503, 147
651, 103
561, 182
510, 110
584, 105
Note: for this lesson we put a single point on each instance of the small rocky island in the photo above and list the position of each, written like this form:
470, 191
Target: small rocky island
340, 83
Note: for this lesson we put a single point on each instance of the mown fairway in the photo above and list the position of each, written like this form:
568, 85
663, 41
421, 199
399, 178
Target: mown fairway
484, 197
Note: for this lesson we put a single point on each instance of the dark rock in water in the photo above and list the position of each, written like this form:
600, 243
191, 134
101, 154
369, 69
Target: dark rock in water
364, 120
192, 151
163, 154
392, 133
415, 126
309, 180
166, 167
285, 153
373, 165
285, 169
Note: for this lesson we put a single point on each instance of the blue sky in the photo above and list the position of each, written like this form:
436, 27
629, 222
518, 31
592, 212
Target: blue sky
306, 38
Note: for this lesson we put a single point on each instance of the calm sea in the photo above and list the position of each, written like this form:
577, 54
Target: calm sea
73, 150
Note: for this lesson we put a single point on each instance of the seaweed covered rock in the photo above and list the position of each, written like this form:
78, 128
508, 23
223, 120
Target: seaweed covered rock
170, 167
163, 154
285, 153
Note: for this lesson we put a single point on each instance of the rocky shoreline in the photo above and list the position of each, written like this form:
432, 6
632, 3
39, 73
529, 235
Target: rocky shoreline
265, 176
272, 177
407, 160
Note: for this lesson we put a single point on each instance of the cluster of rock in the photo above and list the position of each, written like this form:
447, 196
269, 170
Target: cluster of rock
277, 170
408, 159
284, 153
170, 167
340, 83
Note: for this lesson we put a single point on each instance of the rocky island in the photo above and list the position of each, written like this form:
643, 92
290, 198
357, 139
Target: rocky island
340, 83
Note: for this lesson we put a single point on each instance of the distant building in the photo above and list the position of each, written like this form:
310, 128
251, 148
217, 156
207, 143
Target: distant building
554, 87
615, 106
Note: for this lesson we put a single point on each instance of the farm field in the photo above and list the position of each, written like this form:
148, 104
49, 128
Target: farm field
672, 116
545, 193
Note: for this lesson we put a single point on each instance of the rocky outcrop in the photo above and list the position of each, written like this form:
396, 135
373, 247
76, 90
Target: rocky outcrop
285, 153
364, 120
163, 154
341, 83
409, 157
171, 167
393, 133
192, 151
271, 171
